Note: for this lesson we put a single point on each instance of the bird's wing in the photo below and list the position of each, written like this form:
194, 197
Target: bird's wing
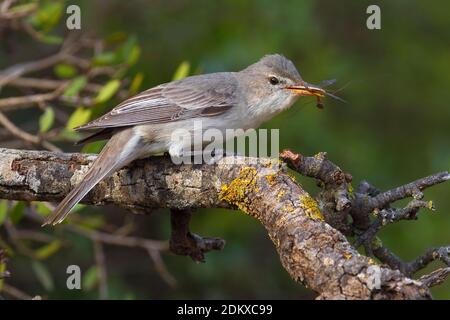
205, 95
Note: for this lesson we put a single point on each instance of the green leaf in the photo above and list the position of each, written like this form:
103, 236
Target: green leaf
107, 91
3, 210
90, 279
49, 39
134, 55
93, 147
119, 73
42, 209
75, 86
125, 51
65, 70
78, 207
69, 134
117, 36
182, 71
48, 15
79, 117
46, 120
48, 250
104, 59
136, 83
43, 275
92, 222
17, 212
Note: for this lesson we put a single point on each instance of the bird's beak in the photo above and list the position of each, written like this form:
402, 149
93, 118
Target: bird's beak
306, 89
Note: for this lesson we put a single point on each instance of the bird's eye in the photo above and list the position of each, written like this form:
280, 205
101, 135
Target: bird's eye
274, 80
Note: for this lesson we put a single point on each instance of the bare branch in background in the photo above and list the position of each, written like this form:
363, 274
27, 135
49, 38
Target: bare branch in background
15, 103
153, 247
25, 136
101, 267
15, 71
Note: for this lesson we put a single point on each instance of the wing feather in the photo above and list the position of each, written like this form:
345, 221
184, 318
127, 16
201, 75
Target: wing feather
205, 95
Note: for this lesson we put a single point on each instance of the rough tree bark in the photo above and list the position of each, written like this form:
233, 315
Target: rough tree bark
312, 251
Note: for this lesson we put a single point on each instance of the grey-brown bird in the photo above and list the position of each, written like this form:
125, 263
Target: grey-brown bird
143, 125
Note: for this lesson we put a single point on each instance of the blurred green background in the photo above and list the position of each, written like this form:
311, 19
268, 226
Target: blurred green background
395, 127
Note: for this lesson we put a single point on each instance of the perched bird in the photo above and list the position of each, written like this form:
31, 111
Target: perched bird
142, 125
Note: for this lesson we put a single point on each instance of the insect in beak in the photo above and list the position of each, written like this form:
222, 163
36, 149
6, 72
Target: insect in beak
306, 89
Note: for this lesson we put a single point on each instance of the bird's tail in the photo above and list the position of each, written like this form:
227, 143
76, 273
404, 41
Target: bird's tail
120, 150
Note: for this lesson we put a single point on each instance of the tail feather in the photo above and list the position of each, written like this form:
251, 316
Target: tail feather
118, 152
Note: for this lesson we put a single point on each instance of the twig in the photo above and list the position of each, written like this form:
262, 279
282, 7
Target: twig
34, 236
120, 240
412, 189
25, 136
14, 103
15, 293
161, 268
101, 267
388, 216
15, 240
436, 277
28, 67
4, 6
441, 253
152, 247
11, 15
4, 273
49, 84
69, 47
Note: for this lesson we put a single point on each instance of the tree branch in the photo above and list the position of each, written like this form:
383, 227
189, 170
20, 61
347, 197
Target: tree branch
311, 250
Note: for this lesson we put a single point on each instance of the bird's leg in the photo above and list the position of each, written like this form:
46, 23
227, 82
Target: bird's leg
319, 103
184, 242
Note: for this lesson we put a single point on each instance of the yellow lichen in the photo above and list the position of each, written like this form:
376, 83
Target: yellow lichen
320, 156
371, 261
271, 179
350, 189
280, 194
288, 208
311, 207
235, 192
290, 175
347, 255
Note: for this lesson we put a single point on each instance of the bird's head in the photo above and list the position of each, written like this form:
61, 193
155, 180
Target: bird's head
273, 84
